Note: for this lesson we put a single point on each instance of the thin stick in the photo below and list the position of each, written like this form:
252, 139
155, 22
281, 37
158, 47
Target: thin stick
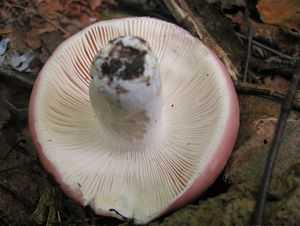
270, 94
184, 15
58, 216
12, 106
250, 38
5, 31
25, 78
292, 58
258, 216
41, 15
11, 149
25, 164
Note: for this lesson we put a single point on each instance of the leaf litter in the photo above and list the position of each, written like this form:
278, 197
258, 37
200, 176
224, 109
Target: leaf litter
29, 195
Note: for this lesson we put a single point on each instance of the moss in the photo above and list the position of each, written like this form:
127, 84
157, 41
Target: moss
105, 15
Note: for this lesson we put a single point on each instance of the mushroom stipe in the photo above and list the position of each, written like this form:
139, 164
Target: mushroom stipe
163, 130
129, 59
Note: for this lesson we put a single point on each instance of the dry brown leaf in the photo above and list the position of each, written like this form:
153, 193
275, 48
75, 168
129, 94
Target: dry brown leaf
248, 161
73, 8
252, 109
33, 40
85, 20
33, 37
94, 3
267, 32
47, 6
16, 40
258, 122
283, 13
240, 19
277, 83
51, 40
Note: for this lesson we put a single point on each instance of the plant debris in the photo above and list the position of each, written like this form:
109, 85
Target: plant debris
283, 13
236, 205
31, 30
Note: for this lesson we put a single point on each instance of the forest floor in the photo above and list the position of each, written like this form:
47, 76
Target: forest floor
31, 30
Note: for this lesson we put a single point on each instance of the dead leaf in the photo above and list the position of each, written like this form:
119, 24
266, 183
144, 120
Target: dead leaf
252, 109
17, 40
254, 139
269, 33
94, 3
33, 40
283, 13
85, 20
277, 83
33, 36
51, 40
47, 6
240, 19
276, 36
248, 161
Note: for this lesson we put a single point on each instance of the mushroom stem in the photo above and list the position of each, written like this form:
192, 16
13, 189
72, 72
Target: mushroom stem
125, 90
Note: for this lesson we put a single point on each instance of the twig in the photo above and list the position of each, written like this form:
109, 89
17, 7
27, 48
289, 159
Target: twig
11, 149
291, 58
12, 106
9, 169
184, 14
5, 31
20, 166
25, 78
294, 33
177, 12
285, 70
250, 38
266, 179
58, 216
41, 15
244, 88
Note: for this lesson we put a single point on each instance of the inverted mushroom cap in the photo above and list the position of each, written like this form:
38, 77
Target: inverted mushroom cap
139, 181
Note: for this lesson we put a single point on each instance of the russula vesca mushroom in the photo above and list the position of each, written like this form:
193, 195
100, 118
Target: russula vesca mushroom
151, 131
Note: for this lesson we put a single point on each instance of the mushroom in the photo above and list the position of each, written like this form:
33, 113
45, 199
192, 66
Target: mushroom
149, 132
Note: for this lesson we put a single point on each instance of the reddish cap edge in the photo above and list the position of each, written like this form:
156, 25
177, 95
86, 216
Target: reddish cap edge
196, 188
